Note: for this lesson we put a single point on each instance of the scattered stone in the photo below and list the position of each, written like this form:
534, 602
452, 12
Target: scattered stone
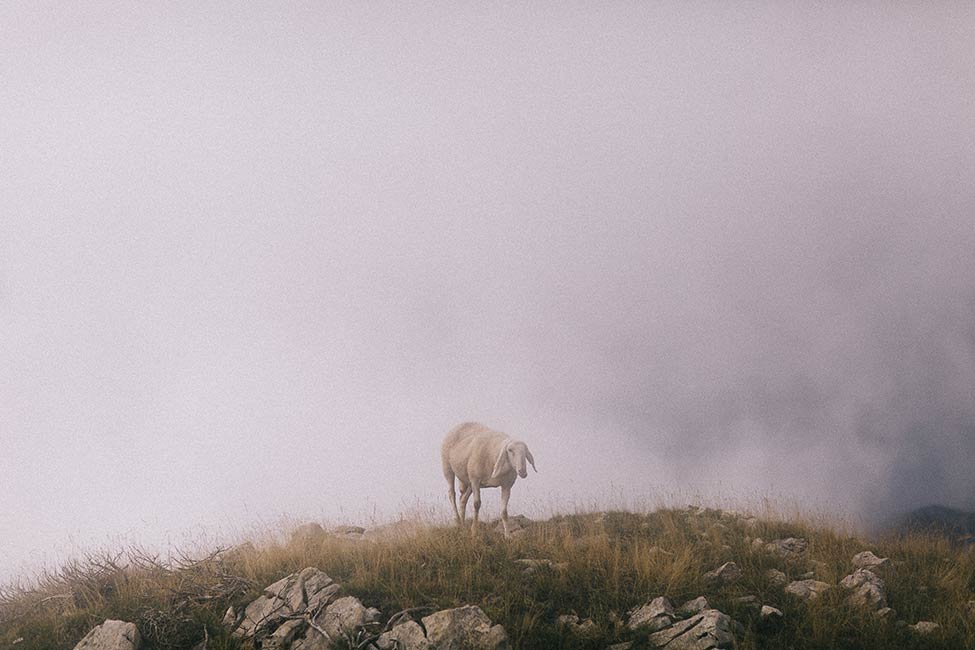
748, 602
925, 627
405, 636
345, 616
582, 629
868, 589
531, 565
806, 589
309, 590
464, 628
867, 560
769, 614
111, 635
750, 522
789, 548
310, 533
284, 635
692, 607
776, 578
758, 544
655, 615
725, 574
709, 630
885, 614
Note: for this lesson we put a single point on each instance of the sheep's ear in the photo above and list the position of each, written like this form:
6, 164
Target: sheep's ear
531, 460
500, 462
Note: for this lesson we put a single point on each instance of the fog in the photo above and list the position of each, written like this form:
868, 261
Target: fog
255, 262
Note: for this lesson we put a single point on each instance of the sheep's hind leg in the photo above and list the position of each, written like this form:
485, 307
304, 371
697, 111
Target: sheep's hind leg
505, 495
477, 504
453, 497
465, 495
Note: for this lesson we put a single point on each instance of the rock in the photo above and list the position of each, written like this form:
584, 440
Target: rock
620, 646
789, 548
708, 630
345, 616
517, 524
310, 533
867, 560
308, 590
806, 589
748, 602
283, 636
776, 578
925, 627
111, 635
758, 544
464, 628
348, 530
868, 589
571, 624
725, 574
531, 565
405, 636
692, 607
769, 614
655, 615
885, 614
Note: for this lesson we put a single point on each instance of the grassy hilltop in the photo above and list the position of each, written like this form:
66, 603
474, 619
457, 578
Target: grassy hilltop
604, 564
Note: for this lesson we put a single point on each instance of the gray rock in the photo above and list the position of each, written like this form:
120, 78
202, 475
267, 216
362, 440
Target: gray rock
344, 616
886, 614
770, 614
655, 615
868, 589
748, 602
112, 635
531, 565
692, 607
310, 533
308, 590
757, 544
725, 574
925, 627
348, 530
405, 636
464, 628
571, 624
806, 589
776, 578
867, 560
789, 548
282, 637
708, 630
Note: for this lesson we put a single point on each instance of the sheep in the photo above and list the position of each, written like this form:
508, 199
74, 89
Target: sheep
481, 457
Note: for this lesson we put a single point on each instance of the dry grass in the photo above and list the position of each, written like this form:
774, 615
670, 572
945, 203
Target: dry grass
612, 561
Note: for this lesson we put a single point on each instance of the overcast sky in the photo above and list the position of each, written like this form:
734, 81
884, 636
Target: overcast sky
257, 261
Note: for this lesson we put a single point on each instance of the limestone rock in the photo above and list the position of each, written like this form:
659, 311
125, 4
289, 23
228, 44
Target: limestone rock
725, 574
582, 629
112, 635
310, 533
464, 628
655, 615
283, 636
925, 627
867, 560
749, 603
868, 589
308, 590
789, 548
776, 578
806, 589
345, 616
405, 636
769, 614
709, 630
692, 607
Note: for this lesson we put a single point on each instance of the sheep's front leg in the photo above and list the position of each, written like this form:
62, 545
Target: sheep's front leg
505, 495
464, 496
476, 487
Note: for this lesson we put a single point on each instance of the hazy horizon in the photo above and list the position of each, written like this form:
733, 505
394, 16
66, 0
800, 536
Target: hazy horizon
256, 261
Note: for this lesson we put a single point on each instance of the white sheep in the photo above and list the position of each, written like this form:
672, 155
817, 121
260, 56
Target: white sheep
481, 457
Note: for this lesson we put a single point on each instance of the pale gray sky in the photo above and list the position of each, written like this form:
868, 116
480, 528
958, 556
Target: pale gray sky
257, 261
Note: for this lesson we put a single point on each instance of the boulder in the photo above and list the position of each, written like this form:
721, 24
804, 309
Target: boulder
692, 607
464, 628
111, 635
310, 533
405, 636
725, 574
868, 589
307, 591
709, 630
867, 560
789, 548
655, 615
776, 578
283, 636
344, 616
925, 627
581, 629
806, 589
769, 614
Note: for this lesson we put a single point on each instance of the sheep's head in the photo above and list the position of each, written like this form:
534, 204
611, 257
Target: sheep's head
514, 454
